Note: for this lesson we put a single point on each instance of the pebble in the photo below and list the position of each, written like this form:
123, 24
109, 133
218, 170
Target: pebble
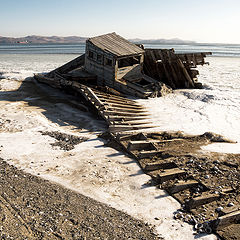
206, 177
230, 204
219, 209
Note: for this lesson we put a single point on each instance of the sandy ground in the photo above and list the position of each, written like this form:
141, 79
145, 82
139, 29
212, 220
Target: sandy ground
91, 168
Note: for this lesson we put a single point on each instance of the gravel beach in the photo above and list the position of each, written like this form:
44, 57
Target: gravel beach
33, 208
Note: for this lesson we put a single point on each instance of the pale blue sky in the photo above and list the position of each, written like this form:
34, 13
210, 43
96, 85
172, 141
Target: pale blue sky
198, 20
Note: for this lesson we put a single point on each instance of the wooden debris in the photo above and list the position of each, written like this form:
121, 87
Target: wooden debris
205, 198
166, 174
226, 220
182, 185
157, 165
175, 70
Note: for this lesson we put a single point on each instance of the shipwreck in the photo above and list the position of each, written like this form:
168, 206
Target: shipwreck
113, 62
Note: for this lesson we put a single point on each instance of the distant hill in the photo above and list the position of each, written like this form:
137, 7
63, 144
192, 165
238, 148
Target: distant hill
75, 39
162, 41
43, 39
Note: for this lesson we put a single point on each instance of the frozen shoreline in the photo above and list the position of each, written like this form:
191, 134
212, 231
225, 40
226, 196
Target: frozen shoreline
92, 169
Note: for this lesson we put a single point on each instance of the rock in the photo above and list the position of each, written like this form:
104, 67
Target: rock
219, 209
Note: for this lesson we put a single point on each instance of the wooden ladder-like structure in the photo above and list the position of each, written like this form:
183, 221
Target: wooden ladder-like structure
120, 113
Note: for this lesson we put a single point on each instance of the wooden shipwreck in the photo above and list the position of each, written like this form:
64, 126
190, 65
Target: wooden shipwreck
113, 62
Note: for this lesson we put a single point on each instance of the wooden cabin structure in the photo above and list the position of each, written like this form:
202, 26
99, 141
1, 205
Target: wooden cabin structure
118, 64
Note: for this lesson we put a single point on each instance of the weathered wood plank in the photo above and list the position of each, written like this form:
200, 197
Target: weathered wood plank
182, 185
205, 198
123, 105
126, 109
140, 145
115, 113
119, 128
226, 220
157, 165
166, 174
149, 154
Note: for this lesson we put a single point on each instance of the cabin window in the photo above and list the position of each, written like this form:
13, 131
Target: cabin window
90, 54
129, 61
109, 62
99, 58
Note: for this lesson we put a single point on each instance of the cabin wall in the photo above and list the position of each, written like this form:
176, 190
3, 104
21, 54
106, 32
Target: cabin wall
97, 62
128, 72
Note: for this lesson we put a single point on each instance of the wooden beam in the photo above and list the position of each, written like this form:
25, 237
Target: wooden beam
166, 174
182, 185
120, 128
121, 109
206, 198
149, 154
226, 220
115, 113
157, 165
140, 145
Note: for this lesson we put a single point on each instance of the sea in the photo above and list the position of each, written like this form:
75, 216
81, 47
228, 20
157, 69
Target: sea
215, 108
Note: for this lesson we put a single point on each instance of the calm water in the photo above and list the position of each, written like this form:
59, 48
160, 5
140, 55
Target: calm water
216, 49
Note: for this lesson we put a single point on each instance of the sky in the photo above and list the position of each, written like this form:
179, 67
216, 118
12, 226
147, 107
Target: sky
208, 21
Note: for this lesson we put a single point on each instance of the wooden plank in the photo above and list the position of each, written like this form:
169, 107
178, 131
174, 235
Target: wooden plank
164, 63
201, 200
149, 154
182, 185
140, 145
188, 78
111, 101
122, 105
205, 198
126, 109
115, 113
111, 96
116, 100
166, 174
123, 136
125, 118
136, 122
119, 128
77, 62
157, 165
226, 220
89, 94
228, 210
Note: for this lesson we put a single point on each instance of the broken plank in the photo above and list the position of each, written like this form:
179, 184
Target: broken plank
115, 113
182, 185
226, 220
201, 200
119, 128
149, 154
206, 198
167, 174
126, 118
123, 105
157, 165
130, 123
140, 145
126, 109
114, 101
